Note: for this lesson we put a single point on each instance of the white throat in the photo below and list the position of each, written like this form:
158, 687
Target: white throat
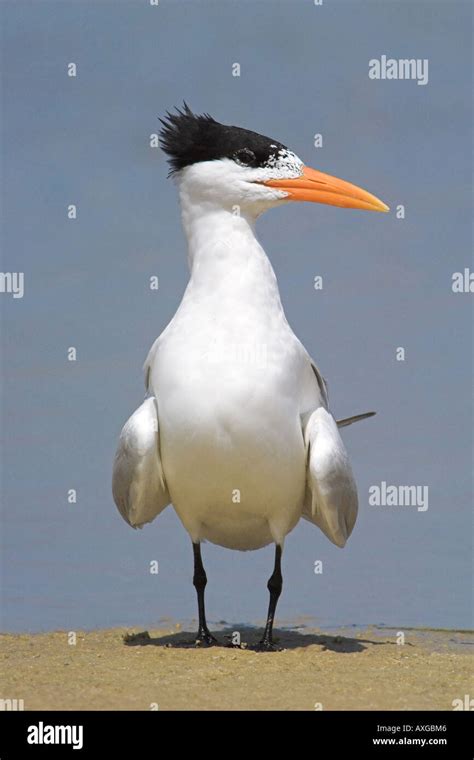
224, 256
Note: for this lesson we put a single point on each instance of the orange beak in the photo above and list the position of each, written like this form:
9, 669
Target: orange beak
317, 187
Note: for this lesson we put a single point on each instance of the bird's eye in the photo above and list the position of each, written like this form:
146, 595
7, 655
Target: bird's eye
244, 156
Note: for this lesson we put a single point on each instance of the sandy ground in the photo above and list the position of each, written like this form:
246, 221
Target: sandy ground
344, 670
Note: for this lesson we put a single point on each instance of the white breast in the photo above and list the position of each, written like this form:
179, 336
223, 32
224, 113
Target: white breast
232, 380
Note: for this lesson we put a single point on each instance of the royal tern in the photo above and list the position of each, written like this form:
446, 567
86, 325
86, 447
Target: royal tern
235, 431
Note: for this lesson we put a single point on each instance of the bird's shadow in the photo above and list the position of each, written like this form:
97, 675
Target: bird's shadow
249, 636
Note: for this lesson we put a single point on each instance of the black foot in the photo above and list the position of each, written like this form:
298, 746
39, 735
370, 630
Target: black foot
205, 639
267, 645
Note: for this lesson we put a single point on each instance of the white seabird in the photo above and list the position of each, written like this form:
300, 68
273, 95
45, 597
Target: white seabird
236, 432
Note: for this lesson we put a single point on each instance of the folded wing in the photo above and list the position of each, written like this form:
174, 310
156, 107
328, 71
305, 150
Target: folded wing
331, 493
355, 418
138, 483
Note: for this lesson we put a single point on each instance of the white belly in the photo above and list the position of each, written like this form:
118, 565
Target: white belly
231, 441
235, 471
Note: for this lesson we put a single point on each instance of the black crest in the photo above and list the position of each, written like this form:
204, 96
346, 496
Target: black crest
188, 138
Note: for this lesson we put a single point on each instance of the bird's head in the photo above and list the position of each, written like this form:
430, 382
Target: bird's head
232, 167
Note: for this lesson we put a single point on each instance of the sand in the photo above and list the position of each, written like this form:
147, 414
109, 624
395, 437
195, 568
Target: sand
344, 670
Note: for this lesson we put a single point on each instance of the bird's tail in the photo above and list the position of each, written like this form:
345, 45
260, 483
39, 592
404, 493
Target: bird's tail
355, 418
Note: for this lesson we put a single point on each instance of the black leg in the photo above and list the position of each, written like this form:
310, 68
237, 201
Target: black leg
274, 586
200, 580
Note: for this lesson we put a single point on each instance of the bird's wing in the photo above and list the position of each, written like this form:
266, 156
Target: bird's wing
323, 390
331, 494
322, 384
138, 483
355, 418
